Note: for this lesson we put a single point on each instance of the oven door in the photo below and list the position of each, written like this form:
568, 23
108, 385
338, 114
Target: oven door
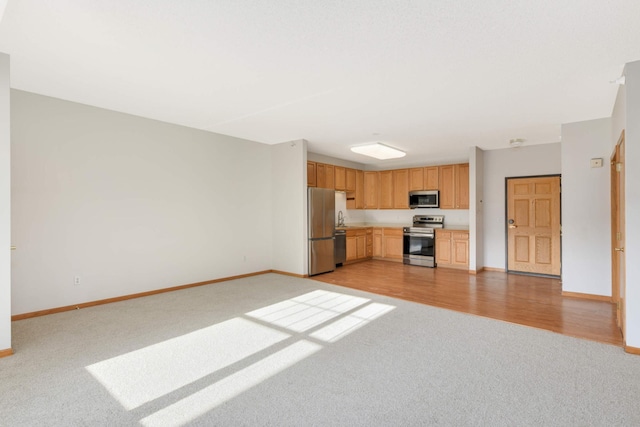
419, 249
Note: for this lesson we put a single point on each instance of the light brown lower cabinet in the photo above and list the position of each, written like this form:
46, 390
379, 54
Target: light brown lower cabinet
392, 243
379, 242
358, 244
452, 249
387, 243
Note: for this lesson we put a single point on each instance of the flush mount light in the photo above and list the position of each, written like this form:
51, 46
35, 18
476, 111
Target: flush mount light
516, 142
379, 151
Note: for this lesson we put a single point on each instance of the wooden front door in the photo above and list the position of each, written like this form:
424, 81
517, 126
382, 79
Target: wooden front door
618, 260
533, 225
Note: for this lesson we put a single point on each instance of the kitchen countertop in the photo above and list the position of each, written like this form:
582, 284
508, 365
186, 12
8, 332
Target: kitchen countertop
368, 224
457, 227
357, 225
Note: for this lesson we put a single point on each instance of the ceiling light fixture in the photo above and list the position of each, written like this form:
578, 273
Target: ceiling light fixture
516, 142
379, 151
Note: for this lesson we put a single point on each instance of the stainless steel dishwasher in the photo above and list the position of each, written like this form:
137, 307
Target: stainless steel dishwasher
340, 248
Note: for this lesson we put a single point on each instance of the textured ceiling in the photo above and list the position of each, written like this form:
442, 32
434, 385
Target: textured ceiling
430, 77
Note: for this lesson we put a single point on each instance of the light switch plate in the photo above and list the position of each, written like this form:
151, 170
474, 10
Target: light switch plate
596, 163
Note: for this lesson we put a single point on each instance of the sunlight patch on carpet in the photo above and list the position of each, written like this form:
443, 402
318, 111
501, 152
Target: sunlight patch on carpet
199, 403
307, 311
143, 375
346, 325
155, 371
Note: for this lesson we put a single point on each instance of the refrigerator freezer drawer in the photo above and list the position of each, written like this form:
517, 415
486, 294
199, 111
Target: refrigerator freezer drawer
321, 256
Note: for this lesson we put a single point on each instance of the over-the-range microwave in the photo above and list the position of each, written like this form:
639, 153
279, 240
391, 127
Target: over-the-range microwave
424, 199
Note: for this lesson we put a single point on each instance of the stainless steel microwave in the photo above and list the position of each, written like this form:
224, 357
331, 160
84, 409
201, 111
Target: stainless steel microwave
424, 199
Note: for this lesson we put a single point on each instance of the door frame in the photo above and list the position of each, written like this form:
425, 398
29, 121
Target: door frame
618, 282
506, 227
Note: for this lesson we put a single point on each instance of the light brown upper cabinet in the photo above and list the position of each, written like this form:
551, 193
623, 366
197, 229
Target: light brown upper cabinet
385, 184
340, 178
431, 178
425, 178
371, 190
324, 176
462, 186
416, 179
350, 178
359, 189
311, 174
401, 189
454, 186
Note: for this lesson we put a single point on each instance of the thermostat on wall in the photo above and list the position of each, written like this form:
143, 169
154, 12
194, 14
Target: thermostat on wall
596, 163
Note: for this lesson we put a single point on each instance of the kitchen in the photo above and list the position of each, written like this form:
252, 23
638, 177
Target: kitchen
372, 209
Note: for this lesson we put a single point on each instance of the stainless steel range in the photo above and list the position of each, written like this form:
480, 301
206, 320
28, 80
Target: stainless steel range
419, 240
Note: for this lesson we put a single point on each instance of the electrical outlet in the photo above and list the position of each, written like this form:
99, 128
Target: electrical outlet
76, 280
596, 163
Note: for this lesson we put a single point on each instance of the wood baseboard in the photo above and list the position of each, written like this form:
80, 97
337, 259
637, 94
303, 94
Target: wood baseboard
479, 270
498, 270
6, 352
286, 273
130, 296
631, 350
586, 296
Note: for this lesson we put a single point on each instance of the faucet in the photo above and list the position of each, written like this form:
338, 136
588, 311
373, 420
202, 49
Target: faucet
340, 219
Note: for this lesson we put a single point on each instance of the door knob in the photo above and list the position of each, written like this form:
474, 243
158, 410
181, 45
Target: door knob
619, 249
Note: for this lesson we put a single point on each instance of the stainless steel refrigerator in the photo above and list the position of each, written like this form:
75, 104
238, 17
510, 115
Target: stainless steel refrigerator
322, 224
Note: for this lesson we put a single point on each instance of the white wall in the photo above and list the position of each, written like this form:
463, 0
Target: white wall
129, 204
476, 209
511, 162
632, 199
289, 222
5, 204
586, 210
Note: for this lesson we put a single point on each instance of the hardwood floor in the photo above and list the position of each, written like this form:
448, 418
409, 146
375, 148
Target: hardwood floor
526, 300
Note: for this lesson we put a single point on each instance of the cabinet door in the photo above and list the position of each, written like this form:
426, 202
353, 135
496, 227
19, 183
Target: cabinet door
350, 180
361, 246
443, 247
352, 248
392, 243
340, 178
371, 190
320, 175
324, 176
401, 189
431, 178
311, 174
460, 249
377, 242
359, 189
446, 178
462, 186
386, 190
416, 179
369, 242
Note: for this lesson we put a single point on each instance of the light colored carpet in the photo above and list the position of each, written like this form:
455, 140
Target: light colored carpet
276, 350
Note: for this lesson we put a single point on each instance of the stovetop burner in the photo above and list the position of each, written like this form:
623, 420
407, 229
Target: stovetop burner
425, 224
